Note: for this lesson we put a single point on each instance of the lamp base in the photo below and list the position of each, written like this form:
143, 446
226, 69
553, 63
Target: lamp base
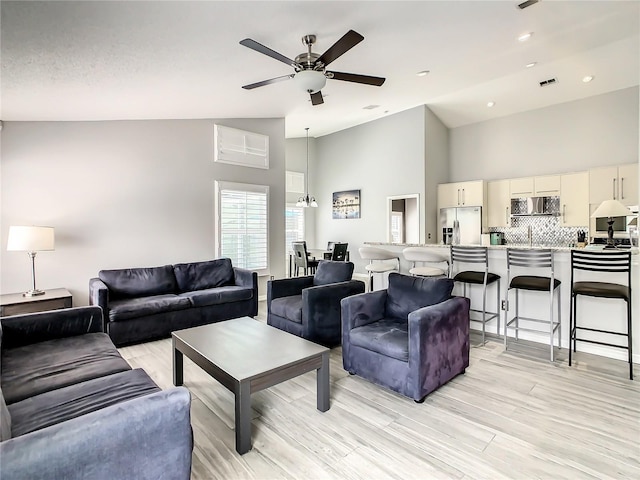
33, 293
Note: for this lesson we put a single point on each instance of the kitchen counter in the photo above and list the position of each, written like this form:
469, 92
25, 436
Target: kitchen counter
594, 312
634, 251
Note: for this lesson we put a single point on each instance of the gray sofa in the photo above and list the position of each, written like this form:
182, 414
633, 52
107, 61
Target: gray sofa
71, 407
141, 304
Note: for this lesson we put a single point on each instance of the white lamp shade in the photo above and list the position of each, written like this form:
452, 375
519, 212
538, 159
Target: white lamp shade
30, 239
310, 81
611, 208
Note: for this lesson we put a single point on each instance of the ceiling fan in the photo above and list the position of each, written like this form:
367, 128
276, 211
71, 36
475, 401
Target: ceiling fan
310, 68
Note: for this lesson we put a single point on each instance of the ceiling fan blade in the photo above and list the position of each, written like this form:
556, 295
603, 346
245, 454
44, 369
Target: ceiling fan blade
354, 77
346, 43
258, 47
316, 98
267, 82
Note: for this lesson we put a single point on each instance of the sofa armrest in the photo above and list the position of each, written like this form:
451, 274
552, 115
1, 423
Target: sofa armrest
439, 339
287, 287
321, 306
99, 294
149, 437
363, 309
29, 328
247, 278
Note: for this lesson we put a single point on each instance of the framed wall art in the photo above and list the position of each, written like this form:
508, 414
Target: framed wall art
346, 204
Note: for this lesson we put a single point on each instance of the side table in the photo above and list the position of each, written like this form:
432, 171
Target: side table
16, 304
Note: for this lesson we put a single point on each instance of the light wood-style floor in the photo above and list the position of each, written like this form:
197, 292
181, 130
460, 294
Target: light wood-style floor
513, 415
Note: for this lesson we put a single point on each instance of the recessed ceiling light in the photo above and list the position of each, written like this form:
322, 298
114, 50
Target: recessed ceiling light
587, 79
525, 36
371, 107
530, 65
422, 73
490, 104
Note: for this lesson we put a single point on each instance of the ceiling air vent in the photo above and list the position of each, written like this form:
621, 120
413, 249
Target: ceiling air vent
526, 4
551, 81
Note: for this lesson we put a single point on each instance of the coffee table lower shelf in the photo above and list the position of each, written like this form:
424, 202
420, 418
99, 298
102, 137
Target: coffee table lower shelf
247, 356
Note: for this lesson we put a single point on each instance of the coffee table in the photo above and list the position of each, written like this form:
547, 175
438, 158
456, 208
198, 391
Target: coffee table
247, 356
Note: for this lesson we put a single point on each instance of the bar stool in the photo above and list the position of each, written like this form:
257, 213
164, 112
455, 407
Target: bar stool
609, 262
426, 258
377, 263
477, 255
541, 259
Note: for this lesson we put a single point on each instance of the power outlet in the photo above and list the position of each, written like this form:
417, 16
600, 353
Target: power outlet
429, 236
271, 277
504, 305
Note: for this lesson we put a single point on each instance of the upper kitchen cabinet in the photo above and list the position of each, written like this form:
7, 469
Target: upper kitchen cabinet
498, 203
521, 187
574, 199
617, 183
461, 194
544, 186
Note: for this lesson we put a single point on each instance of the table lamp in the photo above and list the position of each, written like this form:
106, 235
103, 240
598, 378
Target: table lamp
609, 209
31, 240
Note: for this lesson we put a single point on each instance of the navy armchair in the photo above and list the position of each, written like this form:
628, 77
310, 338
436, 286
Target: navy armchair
411, 338
309, 307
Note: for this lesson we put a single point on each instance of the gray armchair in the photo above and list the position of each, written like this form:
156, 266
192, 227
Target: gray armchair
411, 338
309, 307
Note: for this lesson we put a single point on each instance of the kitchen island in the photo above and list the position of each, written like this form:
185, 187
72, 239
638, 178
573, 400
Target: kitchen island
599, 313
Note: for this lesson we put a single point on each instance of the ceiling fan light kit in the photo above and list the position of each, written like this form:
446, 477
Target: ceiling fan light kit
310, 68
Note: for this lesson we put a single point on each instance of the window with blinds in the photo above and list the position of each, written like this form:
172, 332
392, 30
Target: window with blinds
242, 225
294, 225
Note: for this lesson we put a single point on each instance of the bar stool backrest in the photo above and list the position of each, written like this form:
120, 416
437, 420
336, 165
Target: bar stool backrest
469, 255
374, 253
601, 261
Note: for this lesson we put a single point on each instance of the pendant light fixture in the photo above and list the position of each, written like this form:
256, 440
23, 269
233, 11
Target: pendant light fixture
307, 201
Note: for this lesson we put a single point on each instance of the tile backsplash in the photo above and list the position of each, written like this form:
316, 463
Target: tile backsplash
546, 230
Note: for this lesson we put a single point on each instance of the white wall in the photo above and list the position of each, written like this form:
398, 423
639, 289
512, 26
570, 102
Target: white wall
436, 170
123, 194
381, 158
573, 136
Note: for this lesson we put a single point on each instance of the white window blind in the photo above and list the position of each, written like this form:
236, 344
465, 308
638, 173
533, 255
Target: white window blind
240, 148
243, 225
396, 227
294, 225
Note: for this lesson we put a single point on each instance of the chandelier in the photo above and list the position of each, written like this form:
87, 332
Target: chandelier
306, 200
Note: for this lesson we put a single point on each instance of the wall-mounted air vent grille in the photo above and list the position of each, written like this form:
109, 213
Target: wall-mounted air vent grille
526, 4
550, 81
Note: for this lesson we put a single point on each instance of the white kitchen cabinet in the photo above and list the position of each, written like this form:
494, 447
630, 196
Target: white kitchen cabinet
498, 203
546, 186
461, 194
574, 199
543, 186
617, 183
521, 187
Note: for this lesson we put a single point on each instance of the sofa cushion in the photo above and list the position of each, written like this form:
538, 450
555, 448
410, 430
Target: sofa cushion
63, 404
5, 420
41, 367
139, 307
389, 337
203, 275
288, 307
406, 294
216, 296
332, 272
139, 282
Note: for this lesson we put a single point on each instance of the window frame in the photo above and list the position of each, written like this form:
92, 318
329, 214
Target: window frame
222, 185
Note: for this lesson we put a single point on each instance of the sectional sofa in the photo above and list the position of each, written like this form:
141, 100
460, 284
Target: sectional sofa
71, 407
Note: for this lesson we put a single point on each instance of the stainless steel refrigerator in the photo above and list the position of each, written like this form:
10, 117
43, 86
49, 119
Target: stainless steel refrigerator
469, 224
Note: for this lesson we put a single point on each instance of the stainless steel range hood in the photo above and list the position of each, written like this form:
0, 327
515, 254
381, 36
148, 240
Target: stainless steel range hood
535, 207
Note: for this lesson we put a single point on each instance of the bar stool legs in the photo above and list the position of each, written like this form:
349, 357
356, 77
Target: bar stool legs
528, 258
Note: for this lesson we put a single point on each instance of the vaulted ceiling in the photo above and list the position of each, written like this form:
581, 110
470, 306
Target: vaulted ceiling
182, 59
